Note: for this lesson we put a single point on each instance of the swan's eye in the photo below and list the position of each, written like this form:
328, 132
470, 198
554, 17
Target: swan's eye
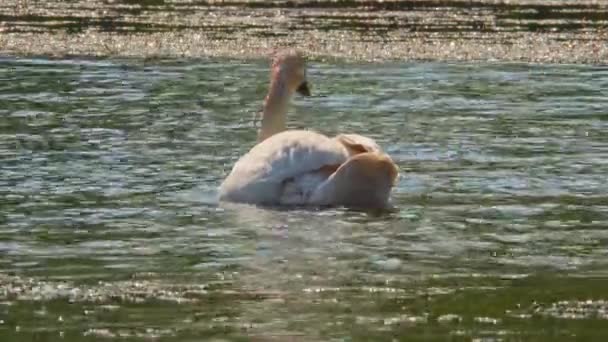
303, 89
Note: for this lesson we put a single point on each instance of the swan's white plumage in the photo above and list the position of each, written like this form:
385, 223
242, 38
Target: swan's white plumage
260, 175
303, 167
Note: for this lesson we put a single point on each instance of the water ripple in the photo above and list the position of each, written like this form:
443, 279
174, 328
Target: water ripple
109, 171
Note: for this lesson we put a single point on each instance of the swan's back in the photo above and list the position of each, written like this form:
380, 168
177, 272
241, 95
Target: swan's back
259, 176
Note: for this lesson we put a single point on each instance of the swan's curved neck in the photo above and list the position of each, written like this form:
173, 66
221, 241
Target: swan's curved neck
275, 110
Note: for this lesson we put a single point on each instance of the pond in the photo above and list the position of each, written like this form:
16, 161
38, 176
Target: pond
109, 226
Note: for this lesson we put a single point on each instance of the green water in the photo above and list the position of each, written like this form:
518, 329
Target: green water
109, 229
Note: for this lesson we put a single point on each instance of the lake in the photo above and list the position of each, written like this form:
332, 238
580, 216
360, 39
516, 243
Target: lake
109, 226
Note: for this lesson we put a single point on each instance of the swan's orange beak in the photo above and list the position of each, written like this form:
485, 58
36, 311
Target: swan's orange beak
303, 89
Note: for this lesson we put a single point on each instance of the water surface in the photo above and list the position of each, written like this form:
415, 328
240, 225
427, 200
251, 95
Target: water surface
109, 227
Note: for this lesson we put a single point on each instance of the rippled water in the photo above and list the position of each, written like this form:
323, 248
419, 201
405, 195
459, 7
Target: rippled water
109, 226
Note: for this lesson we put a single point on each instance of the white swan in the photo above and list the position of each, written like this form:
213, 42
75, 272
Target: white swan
298, 167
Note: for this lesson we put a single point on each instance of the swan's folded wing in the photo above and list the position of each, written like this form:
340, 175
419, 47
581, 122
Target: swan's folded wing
364, 180
259, 175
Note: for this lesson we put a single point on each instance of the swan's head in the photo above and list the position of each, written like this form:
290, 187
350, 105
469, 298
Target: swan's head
289, 67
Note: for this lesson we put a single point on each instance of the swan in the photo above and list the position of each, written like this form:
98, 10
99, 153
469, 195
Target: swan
306, 168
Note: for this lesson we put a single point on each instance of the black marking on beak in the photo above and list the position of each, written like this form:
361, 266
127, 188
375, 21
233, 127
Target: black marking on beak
303, 89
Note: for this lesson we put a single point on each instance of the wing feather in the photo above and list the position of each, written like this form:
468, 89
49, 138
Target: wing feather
259, 175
